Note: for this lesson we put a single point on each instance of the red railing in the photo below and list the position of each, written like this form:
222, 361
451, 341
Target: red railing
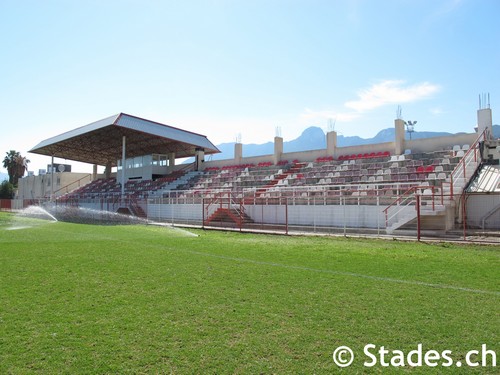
472, 155
416, 195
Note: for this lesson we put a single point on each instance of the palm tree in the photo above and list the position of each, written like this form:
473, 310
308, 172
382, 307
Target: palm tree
16, 166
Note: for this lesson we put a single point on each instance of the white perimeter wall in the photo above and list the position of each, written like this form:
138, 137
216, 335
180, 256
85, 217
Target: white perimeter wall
353, 216
481, 205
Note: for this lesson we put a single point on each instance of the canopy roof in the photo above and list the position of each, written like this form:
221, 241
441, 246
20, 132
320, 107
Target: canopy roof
101, 142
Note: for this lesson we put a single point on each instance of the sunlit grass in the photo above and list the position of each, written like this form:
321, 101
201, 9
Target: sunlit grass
143, 299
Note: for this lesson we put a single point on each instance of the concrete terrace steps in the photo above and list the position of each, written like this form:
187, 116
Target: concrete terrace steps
296, 168
229, 215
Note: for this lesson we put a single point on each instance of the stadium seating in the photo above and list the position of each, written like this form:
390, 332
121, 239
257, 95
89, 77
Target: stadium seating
363, 174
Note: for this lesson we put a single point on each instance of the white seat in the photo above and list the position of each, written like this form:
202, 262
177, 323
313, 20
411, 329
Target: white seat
441, 176
439, 168
456, 147
465, 147
460, 153
401, 158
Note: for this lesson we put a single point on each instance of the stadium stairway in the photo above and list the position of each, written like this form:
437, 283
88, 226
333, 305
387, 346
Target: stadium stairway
137, 210
229, 215
182, 180
281, 178
436, 204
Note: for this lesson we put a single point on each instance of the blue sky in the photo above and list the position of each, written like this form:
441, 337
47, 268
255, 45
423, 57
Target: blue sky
223, 68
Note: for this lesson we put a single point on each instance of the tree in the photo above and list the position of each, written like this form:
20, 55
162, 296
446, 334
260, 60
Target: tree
6, 190
16, 166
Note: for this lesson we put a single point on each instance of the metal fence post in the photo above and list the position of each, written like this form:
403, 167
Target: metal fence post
417, 196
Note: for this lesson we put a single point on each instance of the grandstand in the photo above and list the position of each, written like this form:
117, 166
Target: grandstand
406, 186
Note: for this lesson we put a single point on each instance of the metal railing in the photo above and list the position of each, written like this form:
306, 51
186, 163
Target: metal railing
471, 158
72, 186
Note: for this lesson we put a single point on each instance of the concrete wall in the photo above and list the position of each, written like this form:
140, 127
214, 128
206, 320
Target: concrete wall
481, 205
35, 187
353, 216
440, 143
415, 145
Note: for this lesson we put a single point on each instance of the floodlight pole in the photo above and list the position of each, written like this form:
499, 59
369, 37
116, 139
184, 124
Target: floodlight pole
123, 167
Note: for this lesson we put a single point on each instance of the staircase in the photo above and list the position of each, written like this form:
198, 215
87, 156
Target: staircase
433, 206
229, 216
137, 210
175, 184
280, 179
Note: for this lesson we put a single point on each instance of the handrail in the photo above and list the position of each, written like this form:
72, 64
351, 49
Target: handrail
488, 215
71, 183
187, 166
401, 198
461, 166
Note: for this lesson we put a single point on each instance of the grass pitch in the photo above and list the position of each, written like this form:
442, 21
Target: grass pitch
143, 299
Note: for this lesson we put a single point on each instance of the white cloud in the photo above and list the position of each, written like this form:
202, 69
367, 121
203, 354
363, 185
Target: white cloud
388, 92
391, 92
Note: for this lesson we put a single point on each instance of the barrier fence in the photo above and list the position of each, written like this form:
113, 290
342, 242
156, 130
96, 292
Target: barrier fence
399, 210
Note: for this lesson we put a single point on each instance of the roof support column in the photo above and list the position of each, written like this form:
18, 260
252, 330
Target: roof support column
52, 179
124, 143
171, 162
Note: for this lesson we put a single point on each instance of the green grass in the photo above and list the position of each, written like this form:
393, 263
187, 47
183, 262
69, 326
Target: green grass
144, 299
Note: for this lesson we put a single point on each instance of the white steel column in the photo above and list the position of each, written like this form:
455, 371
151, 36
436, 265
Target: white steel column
52, 179
123, 166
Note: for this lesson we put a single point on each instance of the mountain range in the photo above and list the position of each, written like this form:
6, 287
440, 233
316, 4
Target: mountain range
313, 138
